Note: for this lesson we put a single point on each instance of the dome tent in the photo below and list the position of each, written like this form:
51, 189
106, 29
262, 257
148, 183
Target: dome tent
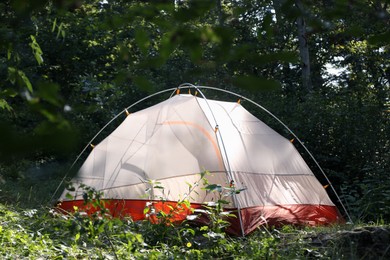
175, 140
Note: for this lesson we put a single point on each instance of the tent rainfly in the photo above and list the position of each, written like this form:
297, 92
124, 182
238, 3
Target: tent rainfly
174, 141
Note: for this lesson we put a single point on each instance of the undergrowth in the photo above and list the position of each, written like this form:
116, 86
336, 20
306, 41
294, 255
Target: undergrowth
42, 233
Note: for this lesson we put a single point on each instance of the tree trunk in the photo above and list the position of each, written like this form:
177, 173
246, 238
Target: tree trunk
303, 48
280, 41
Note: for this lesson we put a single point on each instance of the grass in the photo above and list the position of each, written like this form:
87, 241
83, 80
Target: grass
30, 229
43, 234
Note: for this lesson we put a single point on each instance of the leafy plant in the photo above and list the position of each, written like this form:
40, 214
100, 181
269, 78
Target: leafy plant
100, 228
218, 217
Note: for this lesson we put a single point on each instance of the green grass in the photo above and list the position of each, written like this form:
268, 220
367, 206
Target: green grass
35, 233
30, 229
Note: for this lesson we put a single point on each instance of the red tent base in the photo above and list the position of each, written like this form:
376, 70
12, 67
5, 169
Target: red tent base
251, 217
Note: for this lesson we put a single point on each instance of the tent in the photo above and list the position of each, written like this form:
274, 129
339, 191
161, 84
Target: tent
171, 142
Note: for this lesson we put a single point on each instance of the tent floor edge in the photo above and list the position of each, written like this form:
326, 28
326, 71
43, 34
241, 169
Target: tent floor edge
252, 217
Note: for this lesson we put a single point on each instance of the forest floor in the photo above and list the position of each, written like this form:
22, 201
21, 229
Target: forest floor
29, 229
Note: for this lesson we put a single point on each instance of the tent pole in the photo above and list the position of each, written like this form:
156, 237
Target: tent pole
98, 133
226, 161
188, 85
293, 134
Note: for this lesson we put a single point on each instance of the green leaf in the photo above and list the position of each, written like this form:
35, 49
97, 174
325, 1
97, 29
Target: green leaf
142, 40
204, 228
255, 83
266, 26
187, 203
71, 188
69, 196
18, 76
380, 39
12, 74
49, 92
282, 56
101, 228
168, 45
52, 117
54, 25
193, 11
9, 52
37, 51
9, 92
162, 214
189, 184
196, 52
143, 84
213, 187
60, 31
25, 80
77, 237
4, 105
223, 202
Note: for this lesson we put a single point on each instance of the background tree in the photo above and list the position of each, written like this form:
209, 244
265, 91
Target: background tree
68, 66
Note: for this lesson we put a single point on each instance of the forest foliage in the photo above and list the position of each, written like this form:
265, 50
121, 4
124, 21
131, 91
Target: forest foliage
67, 67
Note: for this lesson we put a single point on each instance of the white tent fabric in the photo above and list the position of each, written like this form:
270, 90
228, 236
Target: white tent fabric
173, 141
